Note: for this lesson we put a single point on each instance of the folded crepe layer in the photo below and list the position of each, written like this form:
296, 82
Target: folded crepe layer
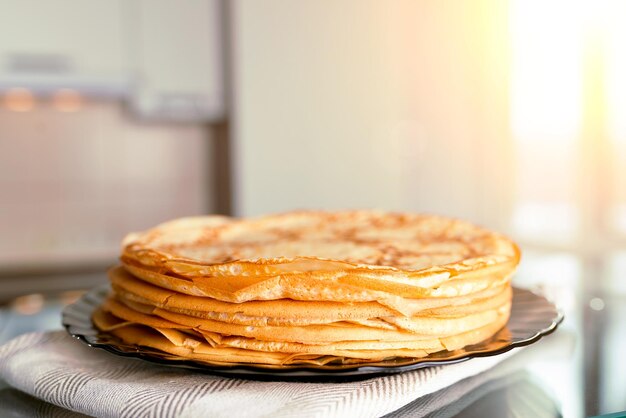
354, 315
407, 328
410, 329
309, 334
260, 353
326, 286
162, 297
287, 311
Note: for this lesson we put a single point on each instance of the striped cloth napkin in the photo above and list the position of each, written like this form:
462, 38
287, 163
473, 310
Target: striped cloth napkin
62, 371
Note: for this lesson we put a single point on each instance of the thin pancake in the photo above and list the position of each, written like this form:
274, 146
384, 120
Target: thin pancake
408, 242
285, 311
187, 347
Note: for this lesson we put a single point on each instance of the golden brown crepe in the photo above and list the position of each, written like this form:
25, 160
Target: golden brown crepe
310, 287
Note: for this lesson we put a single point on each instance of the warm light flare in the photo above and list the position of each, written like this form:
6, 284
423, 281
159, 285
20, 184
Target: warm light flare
546, 73
613, 31
19, 100
28, 304
67, 100
553, 44
568, 116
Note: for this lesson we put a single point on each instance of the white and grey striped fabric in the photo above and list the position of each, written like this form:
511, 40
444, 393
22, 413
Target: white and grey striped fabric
62, 371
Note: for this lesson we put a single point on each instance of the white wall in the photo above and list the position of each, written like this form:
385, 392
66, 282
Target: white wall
396, 105
89, 34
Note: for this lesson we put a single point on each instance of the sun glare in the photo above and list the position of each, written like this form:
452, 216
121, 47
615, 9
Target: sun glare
568, 112
546, 72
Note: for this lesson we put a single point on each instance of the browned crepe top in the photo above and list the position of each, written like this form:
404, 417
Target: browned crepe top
313, 241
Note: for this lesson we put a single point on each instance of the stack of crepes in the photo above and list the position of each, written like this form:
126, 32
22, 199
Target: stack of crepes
310, 288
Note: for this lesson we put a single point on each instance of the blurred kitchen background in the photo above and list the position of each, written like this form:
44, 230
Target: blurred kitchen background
117, 115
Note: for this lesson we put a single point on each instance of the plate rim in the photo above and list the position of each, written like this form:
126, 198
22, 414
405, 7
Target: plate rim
93, 297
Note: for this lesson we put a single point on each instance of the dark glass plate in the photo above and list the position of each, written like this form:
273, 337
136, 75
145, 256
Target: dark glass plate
532, 316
